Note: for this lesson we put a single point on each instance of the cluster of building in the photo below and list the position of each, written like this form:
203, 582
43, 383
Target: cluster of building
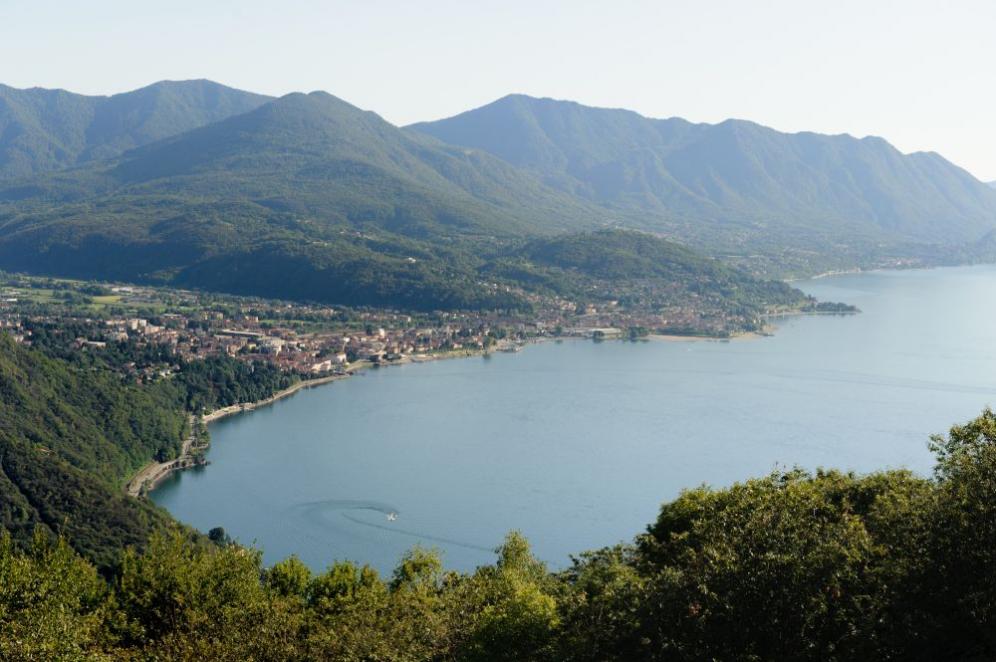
312, 340
333, 349
318, 351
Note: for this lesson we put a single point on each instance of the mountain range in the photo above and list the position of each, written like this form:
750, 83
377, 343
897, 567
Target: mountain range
731, 181
43, 130
306, 196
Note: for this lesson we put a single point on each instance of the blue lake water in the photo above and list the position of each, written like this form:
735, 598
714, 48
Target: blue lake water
576, 444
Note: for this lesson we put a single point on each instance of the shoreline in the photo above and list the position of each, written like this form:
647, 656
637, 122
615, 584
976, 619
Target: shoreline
218, 414
745, 335
149, 477
831, 273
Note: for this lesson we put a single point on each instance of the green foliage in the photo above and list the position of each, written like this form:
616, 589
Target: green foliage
957, 578
641, 272
43, 130
69, 437
603, 596
515, 616
41, 492
182, 601
290, 577
772, 567
221, 381
620, 255
732, 183
218, 536
88, 418
52, 603
339, 586
349, 272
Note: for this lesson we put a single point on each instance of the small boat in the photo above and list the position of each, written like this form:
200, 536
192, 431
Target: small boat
392, 516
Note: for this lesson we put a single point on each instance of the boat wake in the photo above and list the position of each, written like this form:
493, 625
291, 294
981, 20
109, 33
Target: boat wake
349, 509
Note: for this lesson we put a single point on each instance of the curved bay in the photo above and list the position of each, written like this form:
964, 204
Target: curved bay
576, 444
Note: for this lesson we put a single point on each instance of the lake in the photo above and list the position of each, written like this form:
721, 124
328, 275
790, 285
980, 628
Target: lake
577, 443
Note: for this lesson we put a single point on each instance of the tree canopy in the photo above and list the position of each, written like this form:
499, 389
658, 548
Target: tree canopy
790, 566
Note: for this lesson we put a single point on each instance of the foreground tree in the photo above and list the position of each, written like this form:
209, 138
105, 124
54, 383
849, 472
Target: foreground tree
788, 566
183, 600
53, 605
954, 592
792, 566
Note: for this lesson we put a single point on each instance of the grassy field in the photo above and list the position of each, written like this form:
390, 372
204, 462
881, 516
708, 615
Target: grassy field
33, 295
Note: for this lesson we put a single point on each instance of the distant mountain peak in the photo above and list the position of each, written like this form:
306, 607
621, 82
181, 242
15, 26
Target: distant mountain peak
45, 130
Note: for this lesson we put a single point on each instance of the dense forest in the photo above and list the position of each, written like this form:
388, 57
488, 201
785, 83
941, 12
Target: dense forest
791, 566
72, 431
89, 418
641, 270
69, 437
221, 381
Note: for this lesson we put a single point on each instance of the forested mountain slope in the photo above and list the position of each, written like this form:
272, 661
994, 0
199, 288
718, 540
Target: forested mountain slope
45, 130
306, 197
643, 270
730, 181
68, 439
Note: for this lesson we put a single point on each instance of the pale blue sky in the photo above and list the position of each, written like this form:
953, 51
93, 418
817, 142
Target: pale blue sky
922, 74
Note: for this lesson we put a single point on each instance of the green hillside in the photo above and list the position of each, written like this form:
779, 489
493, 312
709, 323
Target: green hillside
306, 197
68, 439
726, 183
45, 130
640, 269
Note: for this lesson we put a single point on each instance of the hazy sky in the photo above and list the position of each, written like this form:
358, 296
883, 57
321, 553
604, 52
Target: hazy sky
921, 74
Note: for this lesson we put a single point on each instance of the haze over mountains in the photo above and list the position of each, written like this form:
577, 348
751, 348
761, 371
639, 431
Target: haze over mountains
306, 196
706, 181
43, 130
316, 154
309, 197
